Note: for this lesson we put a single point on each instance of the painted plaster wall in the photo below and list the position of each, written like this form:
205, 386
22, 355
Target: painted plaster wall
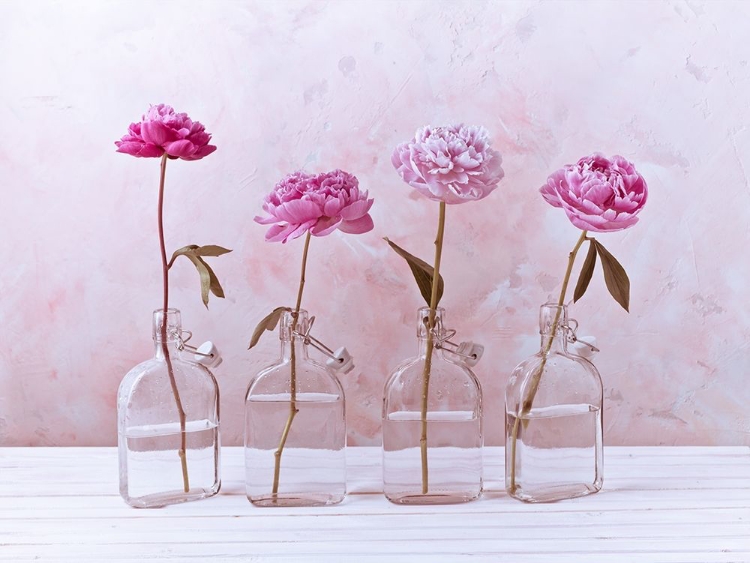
318, 85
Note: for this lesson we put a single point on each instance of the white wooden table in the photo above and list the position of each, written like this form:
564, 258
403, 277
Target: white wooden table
688, 505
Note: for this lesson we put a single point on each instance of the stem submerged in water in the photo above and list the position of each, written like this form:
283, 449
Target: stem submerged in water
430, 345
536, 377
293, 410
164, 322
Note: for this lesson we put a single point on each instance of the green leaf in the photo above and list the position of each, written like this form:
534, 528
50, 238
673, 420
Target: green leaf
615, 277
209, 281
269, 322
422, 271
586, 272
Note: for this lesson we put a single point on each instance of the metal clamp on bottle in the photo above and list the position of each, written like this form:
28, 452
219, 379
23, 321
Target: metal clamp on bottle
340, 360
585, 346
207, 354
469, 352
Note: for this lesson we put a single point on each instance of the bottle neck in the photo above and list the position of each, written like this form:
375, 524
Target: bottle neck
553, 323
557, 343
422, 342
300, 349
166, 327
171, 349
291, 327
423, 327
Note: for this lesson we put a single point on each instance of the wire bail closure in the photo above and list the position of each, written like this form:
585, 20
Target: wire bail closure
582, 345
339, 360
206, 354
469, 352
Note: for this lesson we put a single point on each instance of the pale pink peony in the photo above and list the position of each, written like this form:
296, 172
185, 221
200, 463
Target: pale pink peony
454, 164
598, 194
319, 203
163, 131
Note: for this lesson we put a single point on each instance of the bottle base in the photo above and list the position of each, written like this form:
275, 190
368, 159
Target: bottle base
296, 500
160, 500
554, 493
440, 497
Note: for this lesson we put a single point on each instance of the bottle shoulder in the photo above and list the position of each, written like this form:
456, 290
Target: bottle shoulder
311, 377
154, 372
442, 372
554, 375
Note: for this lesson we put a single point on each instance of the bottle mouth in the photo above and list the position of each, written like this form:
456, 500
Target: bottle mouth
170, 311
173, 324
423, 321
287, 321
552, 317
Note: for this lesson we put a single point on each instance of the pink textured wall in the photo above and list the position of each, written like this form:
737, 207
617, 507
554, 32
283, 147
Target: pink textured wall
285, 85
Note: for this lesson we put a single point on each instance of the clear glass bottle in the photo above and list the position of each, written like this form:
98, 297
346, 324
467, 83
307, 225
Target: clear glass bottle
557, 440
151, 433
454, 426
312, 466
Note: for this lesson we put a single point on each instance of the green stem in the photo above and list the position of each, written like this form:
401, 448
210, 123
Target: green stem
293, 410
164, 346
537, 375
430, 344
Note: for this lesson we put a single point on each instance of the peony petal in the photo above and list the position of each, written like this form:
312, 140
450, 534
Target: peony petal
279, 232
357, 226
157, 133
201, 152
300, 230
333, 206
356, 210
325, 226
130, 147
298, 211
582, 223
550, 195
265, 220
180, 149
199, 139
139, 149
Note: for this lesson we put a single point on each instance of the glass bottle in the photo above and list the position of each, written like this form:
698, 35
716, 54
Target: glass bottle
453, 424
557, 440
311, 470
151, 433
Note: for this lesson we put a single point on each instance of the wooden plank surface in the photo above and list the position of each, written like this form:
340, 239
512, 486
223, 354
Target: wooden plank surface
687, 505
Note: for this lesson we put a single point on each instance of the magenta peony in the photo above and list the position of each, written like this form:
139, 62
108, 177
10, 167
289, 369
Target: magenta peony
598, 194
319, 203
454, 164
163, 131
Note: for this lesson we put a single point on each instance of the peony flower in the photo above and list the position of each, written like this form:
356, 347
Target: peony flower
598, 194
454, 164
319, 203
163, 131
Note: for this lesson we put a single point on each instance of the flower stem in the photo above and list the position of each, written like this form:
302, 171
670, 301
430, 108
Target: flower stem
164, 322
537, 375
293, 410
431, 344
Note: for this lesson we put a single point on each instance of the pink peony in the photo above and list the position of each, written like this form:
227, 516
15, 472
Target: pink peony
453, 164
163, 131
319, 203
598, 194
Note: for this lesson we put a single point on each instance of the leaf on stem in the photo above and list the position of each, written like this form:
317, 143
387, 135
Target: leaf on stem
209, 281
212, 250
269, 322
422, 271
615, 277
586, 272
